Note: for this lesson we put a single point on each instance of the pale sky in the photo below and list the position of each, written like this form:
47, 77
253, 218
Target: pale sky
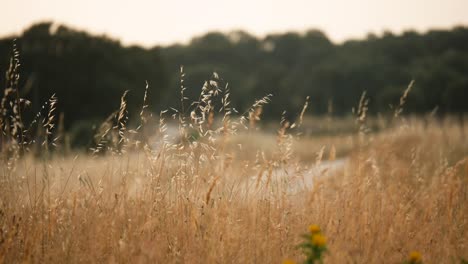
157, 22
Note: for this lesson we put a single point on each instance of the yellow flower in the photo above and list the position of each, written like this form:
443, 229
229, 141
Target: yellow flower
288, 261
314, 229
415, 257
319, 240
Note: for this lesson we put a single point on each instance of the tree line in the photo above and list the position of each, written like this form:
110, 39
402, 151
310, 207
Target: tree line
89, 73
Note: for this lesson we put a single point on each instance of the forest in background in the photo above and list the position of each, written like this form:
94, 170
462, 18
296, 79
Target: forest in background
90, 73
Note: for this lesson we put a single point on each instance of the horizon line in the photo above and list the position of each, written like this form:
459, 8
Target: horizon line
227, 32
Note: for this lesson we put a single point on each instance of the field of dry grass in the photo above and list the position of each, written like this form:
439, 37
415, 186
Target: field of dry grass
405, 190
215, 192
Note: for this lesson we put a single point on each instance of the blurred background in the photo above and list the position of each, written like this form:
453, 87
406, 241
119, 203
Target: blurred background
89, 52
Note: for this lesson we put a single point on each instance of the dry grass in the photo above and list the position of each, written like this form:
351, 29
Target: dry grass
405, 191
218, 195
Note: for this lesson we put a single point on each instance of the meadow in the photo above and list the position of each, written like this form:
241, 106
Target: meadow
206, 184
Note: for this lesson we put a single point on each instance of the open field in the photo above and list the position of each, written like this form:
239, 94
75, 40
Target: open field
229, 199
205, 184
292, 132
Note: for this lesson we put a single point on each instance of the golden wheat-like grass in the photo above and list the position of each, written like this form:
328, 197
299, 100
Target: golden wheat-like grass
404, 191
209, 189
